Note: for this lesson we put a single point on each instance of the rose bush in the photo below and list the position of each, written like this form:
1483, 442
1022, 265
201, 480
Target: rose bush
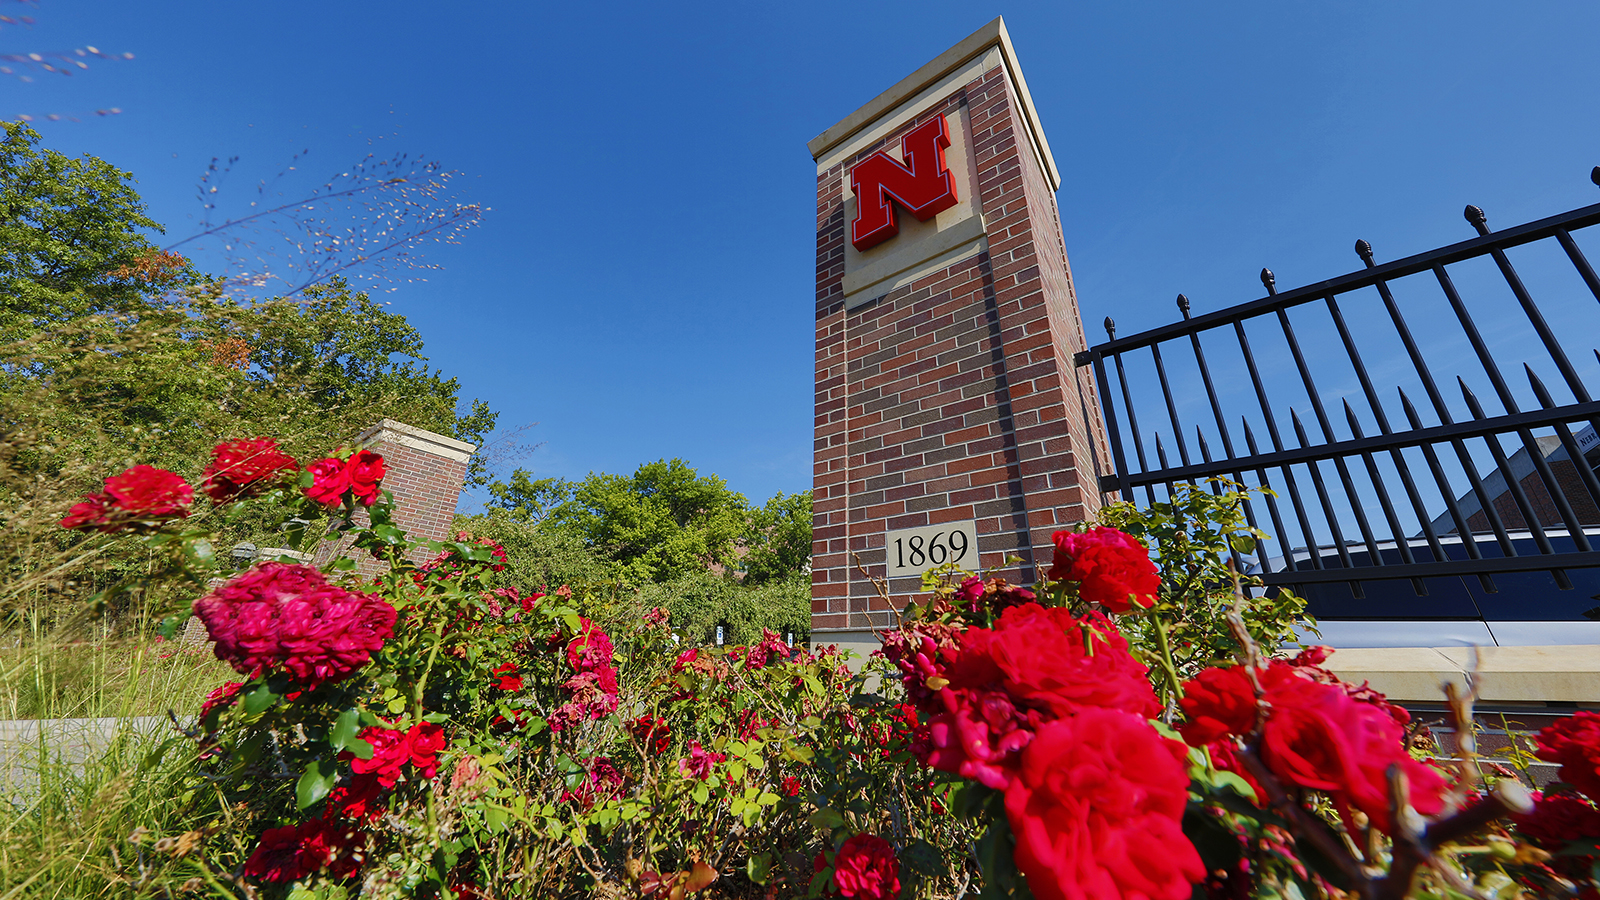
431, 731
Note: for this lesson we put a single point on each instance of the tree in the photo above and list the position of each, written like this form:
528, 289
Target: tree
528, 499
112, 350
70, 238
663, 521
779, 539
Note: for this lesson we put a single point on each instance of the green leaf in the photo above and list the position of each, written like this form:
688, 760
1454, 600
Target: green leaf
200, 551
758, 868
923, 857
496, 819
170, 625
315, 783
345, 728
826, 817
259, 700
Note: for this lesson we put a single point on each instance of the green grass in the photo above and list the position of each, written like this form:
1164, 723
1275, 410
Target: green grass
92, 678
112, 809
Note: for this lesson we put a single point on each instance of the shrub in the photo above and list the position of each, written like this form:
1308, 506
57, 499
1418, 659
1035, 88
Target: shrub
436, 732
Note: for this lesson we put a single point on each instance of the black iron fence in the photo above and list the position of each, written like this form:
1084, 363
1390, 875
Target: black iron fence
1372, 488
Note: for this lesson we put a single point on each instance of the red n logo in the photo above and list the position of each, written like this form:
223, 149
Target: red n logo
923, 185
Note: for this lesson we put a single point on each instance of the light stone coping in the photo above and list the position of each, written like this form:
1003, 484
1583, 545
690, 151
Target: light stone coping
914, 86
860, 641
1567, 673
417, 439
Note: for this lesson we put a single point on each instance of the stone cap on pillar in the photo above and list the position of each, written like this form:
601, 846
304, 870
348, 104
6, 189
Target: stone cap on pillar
393, 432
992, 37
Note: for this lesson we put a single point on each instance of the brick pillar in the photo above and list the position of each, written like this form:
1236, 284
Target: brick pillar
425, 473
946, 396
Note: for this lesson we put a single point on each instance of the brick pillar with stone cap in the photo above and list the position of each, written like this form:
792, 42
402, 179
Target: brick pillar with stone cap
949, 411
425, 473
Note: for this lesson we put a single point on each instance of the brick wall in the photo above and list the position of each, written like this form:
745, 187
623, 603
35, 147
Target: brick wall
1568, 481
425, 472
952, 397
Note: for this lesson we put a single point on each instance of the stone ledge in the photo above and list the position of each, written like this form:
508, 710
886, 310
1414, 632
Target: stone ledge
416, 438
1562, 674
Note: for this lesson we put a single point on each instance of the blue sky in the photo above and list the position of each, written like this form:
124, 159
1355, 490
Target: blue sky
642, 287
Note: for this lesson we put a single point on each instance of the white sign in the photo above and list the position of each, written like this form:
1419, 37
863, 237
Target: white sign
912, 551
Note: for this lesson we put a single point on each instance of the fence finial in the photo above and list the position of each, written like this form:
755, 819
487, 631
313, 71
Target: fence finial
1594, 175
1111, 328
1477, 218
1364, 250
1268, 280
1183, 305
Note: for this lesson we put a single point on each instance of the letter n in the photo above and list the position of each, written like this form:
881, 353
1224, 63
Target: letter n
922, 185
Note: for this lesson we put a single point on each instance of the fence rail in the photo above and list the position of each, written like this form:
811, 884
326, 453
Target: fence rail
1396, 499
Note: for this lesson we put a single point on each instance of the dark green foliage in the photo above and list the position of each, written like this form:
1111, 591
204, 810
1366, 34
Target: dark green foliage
699, 601
659, 523
778, 539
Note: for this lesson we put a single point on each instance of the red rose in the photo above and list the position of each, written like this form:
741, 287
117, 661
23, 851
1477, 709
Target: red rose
425, 740
509, 679
1218, 702
145, 492
239, 468
277, 857
1319, 737
390, 752
699, 763
591, 649
141, 495
1112, 568
1097, 809
791, 786
1574, 742
771, 645
221, 698
1045, 660
604, 782
365, 469
392, 749
359, 799
288, 618
1559, 819
91, 512
330, 481
865, 866
652, 732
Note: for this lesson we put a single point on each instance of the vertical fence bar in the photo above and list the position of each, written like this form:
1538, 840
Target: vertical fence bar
1119, 457
1172, 409
1328, 437
1480, 222
1277, 444
1307, 534
1585, 472
1327, 506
